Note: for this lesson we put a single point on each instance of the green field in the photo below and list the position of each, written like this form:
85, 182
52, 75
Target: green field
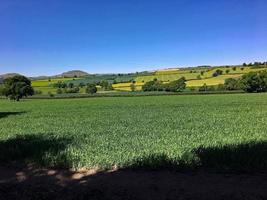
136, 131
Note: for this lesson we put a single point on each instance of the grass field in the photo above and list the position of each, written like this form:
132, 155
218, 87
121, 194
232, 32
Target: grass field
213, 130
46, 82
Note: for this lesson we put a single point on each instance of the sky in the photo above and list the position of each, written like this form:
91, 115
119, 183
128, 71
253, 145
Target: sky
47, 37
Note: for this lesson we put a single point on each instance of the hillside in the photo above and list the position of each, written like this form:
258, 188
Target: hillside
74, 73
4, 76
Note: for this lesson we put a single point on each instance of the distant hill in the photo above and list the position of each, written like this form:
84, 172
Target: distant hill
4, 76
74, 73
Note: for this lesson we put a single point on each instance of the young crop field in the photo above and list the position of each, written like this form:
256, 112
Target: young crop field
192, 130
46, 82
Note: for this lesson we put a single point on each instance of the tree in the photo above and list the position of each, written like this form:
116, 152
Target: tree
217, 73
203, 88
81, 84
244, 64
71, 85
227, 71
132, 86
177, 86
254, 82
234, 68
231, 84
17, 87
91, 89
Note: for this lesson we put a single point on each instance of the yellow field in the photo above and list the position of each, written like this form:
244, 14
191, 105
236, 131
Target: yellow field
127, 86
167, 77
211, 81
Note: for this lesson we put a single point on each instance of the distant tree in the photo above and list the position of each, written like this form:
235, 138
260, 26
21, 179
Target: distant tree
227, 71
192, 89
49, 79
132, 86
244, 64
231, 84
36, 92
220, 87
203, 88
242, 68
50, 94
81, 84
217, 73
59, 91
17, 87
91, 89
71, 85
202, 73
177, 86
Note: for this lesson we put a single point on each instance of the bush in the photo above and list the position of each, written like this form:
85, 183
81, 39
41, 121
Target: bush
59, 91
91, 89
36, 92
50, 94
220, 87
72, 90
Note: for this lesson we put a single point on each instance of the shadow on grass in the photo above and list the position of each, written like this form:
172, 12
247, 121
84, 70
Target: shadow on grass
6, 114
152, 177
246, 157
43, 150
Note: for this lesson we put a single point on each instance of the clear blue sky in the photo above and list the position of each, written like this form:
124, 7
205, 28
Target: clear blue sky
45, 37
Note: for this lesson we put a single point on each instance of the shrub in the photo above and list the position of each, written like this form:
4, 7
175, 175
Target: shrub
36, 92
91, 89
220, 87
59, 91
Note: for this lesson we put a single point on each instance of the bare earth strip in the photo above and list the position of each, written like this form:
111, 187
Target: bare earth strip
28, 182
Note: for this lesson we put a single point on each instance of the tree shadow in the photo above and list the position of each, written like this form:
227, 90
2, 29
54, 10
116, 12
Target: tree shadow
6, 114
242, 175
42, 150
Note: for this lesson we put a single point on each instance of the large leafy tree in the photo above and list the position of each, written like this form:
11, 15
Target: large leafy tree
254, 82
17, 87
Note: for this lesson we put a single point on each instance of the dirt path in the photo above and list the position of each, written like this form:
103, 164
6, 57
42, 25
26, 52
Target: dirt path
32, 183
